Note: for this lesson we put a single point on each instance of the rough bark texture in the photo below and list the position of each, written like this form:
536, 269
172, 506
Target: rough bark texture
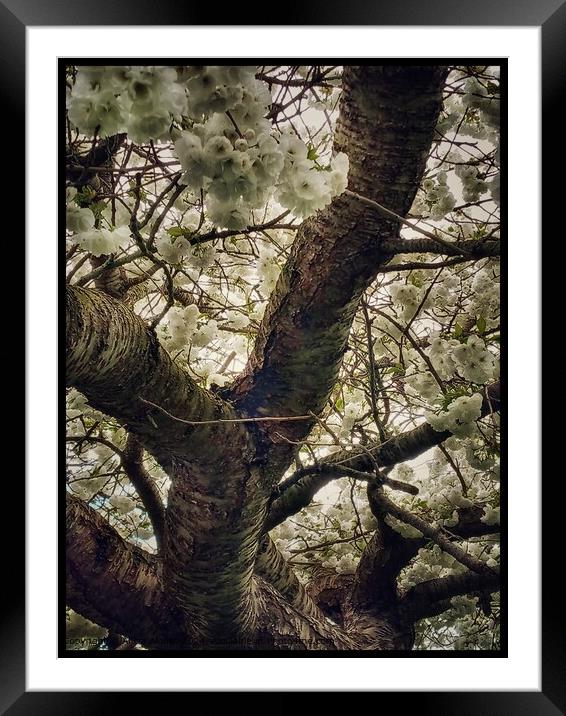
114, 583
475, 248
132, 462
217, 500
423, 599
218, 581
386, 124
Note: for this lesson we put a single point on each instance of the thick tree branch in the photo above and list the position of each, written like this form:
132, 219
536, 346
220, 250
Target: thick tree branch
375, 582
218, 496
281, 626
116, 361
114, 583
271, 565
474, 248
119, 586
337, 253
424, 599
144, 484
330, 592
373, 593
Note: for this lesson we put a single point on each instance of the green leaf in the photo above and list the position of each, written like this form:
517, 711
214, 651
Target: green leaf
175, 231
396, 369
311, 154
481, 325
458, 330
85, 196
97, 208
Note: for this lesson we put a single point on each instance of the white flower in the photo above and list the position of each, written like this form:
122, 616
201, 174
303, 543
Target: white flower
423, 384
460, 416
155, 125
228, 215
79, 220
338, 178
188, 146
494, 187
173, 250
99, 109
309, 185
100, 242
181, 325
268, 166
217, 149
491, 516
206, 334
238, 321
440, 354
239, 163
405, 294
191, 220
191, 155
202, 257
292, 147
475, 362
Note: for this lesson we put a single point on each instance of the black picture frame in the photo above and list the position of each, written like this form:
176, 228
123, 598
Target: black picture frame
550, 16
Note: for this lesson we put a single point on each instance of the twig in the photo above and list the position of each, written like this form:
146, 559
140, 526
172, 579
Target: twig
392, 215
227, 420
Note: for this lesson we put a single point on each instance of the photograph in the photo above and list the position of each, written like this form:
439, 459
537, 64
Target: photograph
283, 357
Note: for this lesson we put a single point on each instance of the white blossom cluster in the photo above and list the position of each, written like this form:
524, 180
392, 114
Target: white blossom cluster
408, 296
485, 295
80, 221
470, 359
180, 327
142, 101
439, 196
224, 142
460, 417
239, 169
473, 184
104, 241
478, 97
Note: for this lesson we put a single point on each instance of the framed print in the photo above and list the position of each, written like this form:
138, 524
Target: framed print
161, 198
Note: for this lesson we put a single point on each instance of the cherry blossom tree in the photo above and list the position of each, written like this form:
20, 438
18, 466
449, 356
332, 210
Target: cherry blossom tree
282, 347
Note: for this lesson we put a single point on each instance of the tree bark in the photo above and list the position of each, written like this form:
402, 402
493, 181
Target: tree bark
115, 584
218, 497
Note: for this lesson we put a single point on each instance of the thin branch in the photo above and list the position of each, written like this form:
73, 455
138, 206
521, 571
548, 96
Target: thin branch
227, 420
392, 215
380, 505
